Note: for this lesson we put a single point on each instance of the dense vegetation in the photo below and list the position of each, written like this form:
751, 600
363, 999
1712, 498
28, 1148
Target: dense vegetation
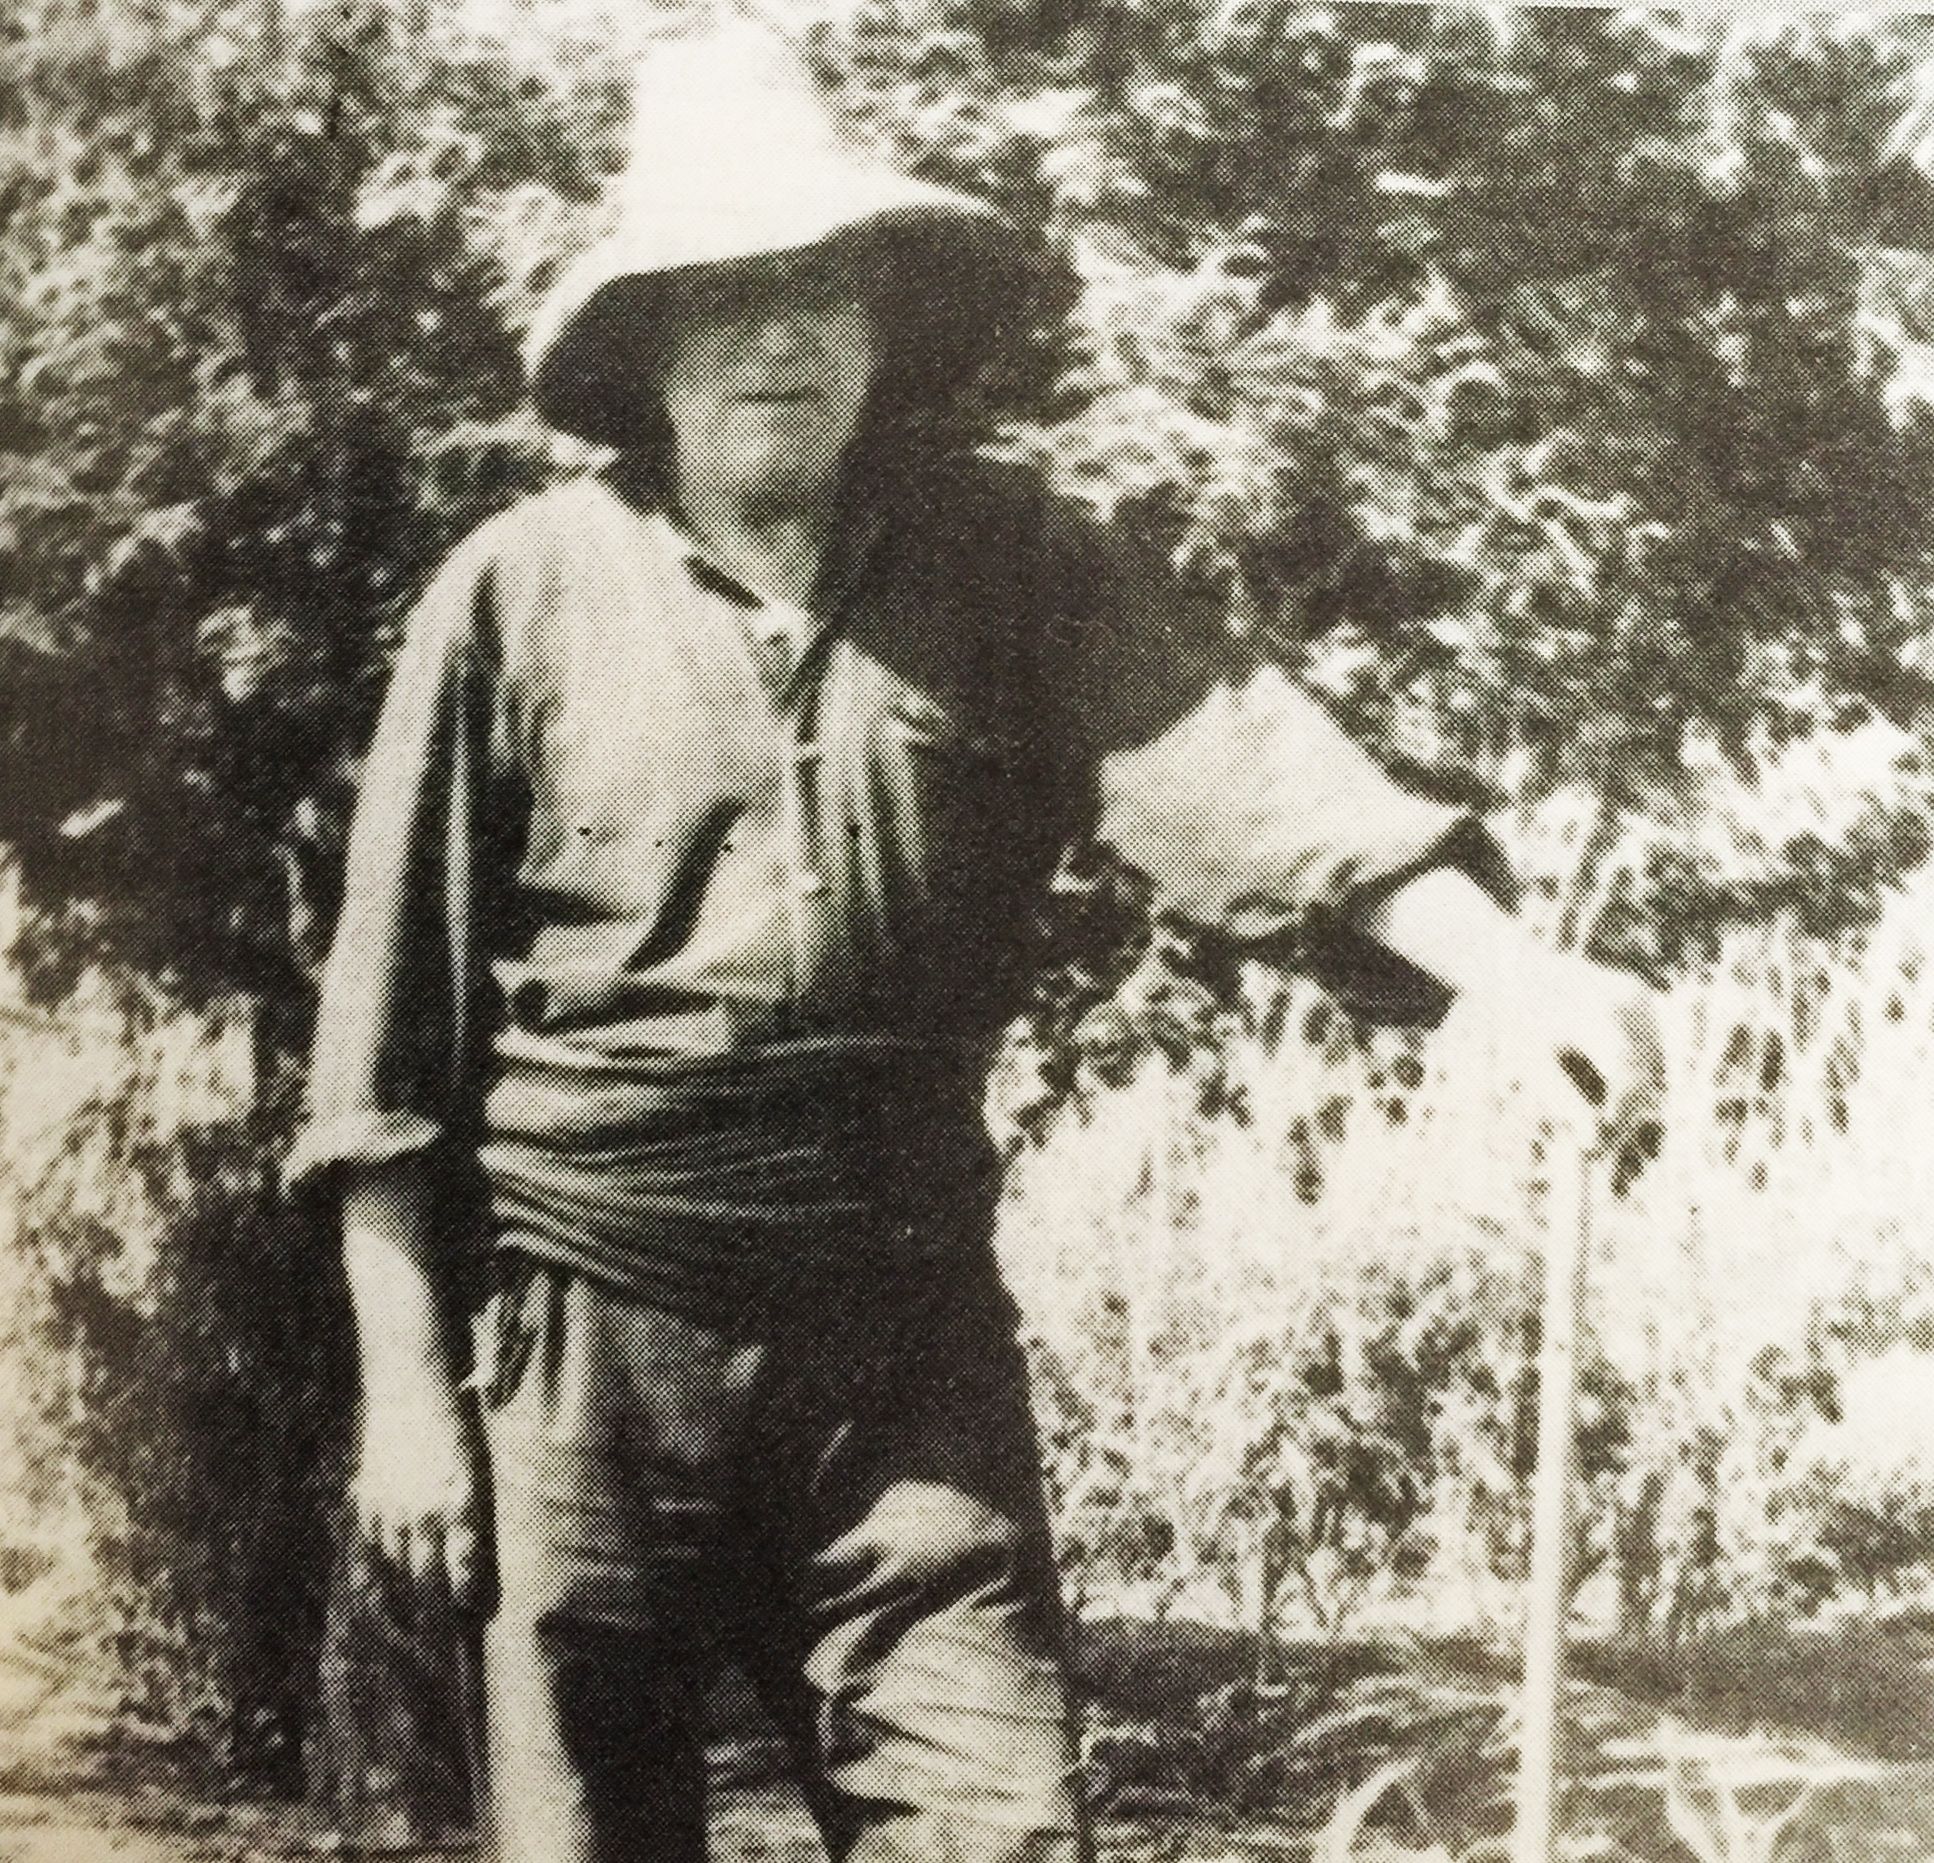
1547, 386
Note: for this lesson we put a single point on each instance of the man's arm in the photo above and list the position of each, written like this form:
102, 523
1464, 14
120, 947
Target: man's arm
390, 1073
1252, 810
416, 1488
1252, 813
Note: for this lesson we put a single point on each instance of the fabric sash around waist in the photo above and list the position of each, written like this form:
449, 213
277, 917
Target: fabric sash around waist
682, 1175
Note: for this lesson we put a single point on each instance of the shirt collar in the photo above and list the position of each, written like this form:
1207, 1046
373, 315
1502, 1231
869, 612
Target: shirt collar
875, 496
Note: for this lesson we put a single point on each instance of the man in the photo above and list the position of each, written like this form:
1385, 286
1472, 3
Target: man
688, 889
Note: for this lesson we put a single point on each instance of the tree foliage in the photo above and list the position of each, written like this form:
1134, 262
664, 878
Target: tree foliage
260, 371
1506, 369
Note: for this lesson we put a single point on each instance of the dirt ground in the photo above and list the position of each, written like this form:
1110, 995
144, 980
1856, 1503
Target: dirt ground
1889, 1819
748, 1827
1852, 1710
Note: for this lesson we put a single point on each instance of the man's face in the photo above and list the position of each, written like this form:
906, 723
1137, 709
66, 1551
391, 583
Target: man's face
767, 373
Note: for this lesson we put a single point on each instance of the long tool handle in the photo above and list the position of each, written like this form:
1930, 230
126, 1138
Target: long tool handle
1567, 1251
465, 1652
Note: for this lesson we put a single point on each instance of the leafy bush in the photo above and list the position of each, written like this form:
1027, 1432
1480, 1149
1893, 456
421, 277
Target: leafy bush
215, 1424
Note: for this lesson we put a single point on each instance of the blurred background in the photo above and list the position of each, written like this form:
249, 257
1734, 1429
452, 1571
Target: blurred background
1552, 388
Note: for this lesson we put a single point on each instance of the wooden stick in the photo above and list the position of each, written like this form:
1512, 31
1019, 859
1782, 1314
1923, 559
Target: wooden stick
1567, 1252
470, 1705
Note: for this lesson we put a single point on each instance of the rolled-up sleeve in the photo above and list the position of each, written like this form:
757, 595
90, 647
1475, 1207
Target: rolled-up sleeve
394, 1054
1252, 812
1248, 810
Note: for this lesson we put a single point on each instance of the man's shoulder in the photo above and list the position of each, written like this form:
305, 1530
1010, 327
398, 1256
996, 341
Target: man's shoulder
981, 481
548, 540
506, 585
556, 519
982, 500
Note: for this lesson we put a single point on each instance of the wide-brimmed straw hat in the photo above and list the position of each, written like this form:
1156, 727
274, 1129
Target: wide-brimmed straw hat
736, 154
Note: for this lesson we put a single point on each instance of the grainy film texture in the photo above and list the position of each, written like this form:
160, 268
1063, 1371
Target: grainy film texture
886, 748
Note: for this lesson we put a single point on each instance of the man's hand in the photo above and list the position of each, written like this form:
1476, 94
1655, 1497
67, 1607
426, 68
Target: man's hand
1602, 1028
418, 1487
1557, 1010
417, 1490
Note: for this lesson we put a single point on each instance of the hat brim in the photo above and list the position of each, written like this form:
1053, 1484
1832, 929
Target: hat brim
591, 352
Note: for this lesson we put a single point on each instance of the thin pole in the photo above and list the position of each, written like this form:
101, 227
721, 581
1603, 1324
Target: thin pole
470, 1712
1567, 1251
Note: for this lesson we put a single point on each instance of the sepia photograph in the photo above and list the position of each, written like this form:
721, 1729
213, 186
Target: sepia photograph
966, 931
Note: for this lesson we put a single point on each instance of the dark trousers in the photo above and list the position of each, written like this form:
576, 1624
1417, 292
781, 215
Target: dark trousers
844, 1501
